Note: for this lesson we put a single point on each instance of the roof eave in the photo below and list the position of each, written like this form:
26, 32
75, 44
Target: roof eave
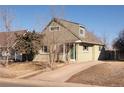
79, 41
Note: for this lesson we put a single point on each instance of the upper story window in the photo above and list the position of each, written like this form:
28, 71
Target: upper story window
85, 48
81, 31
54, 28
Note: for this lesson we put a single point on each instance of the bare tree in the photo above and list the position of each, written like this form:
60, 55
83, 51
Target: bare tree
105, 40
53, 47
57, 11
7, 20
56, 48
118, 43
118, 46
50, 41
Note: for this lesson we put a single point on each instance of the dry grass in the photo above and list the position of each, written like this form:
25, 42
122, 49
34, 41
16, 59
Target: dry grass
5, 73
106, 74
21, 68
26, 67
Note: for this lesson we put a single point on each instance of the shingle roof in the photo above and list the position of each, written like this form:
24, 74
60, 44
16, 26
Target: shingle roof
72, 33
92, 38
8, 38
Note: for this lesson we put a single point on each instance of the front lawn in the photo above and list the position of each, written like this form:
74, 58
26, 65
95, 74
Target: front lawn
20, 68
105, 74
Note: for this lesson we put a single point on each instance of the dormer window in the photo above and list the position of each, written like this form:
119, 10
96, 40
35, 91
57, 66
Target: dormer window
54, 28
81, 32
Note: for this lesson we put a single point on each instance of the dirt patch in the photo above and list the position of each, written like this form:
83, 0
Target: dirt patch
106, 74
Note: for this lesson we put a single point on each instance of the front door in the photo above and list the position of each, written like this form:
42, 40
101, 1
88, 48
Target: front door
73, 52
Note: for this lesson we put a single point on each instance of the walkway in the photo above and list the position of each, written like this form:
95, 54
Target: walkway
64, 73
29, 83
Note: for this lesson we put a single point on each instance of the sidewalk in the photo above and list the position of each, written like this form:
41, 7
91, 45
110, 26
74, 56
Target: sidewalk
64, 73
31, 83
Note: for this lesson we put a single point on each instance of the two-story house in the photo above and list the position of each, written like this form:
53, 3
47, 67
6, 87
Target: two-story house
83, 45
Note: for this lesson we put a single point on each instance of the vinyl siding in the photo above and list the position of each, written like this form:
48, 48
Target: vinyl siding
84, 55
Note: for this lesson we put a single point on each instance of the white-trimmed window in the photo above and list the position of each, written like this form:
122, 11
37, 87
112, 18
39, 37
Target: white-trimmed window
54, 28
85, 48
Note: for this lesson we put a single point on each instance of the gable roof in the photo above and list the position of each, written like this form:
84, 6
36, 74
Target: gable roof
72, 32
8, 38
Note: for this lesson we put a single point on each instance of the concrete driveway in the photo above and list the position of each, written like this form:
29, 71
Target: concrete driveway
64, 73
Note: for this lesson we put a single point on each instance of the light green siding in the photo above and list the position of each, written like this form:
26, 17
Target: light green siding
84, 55
93, 53
96, 52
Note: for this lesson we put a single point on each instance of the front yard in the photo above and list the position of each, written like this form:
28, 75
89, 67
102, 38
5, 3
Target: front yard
89, 73
24, 68
105, 74
20, 68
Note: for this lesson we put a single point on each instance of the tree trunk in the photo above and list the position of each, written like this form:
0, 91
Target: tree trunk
7, 61
50, 59
7, 58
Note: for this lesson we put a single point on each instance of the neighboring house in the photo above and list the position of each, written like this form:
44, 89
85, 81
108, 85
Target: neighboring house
7, 39
83, 45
